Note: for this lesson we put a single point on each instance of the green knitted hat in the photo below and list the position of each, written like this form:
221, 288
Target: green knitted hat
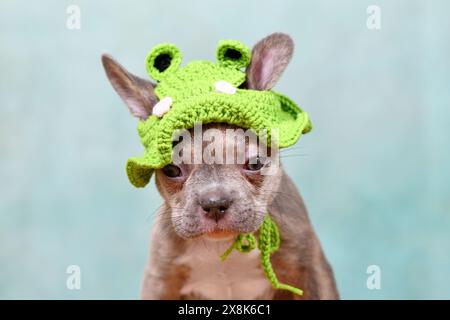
204, 92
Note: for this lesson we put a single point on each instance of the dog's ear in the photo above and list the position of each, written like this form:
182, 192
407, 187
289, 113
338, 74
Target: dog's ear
138, 94
270, 56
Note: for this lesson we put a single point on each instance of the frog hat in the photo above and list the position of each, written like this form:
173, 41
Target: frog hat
205, 92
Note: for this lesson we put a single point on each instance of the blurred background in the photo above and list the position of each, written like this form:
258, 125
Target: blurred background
374, 172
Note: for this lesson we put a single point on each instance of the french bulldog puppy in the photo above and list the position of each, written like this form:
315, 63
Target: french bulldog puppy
206, 205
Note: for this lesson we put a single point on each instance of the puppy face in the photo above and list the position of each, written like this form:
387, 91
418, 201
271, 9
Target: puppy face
221, 197
215, 199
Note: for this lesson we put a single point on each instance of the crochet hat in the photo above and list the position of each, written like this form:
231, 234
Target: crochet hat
204, 92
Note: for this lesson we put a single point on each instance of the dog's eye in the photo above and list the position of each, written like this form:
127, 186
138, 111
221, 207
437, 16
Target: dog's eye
171, 171
254, 164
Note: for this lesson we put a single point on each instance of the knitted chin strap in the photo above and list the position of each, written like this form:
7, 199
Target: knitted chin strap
268, 243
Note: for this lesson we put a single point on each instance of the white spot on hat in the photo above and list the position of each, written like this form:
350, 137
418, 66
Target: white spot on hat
224, 87
162, 107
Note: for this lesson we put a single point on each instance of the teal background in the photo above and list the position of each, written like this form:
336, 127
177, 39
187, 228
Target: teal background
374, 172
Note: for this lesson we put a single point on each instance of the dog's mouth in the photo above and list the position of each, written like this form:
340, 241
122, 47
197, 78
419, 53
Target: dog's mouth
220, 234
217, 234
227, 228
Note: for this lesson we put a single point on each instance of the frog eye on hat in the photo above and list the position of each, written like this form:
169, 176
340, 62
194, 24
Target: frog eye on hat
233, 54
163, 59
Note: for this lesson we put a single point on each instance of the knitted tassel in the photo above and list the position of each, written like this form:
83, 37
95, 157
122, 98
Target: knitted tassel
268, 243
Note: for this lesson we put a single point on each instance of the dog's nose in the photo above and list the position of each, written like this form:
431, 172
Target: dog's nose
215, 204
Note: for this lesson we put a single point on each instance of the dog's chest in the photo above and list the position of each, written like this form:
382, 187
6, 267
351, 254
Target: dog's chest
238, 277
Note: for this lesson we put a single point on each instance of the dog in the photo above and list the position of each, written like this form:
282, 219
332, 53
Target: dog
206, 205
